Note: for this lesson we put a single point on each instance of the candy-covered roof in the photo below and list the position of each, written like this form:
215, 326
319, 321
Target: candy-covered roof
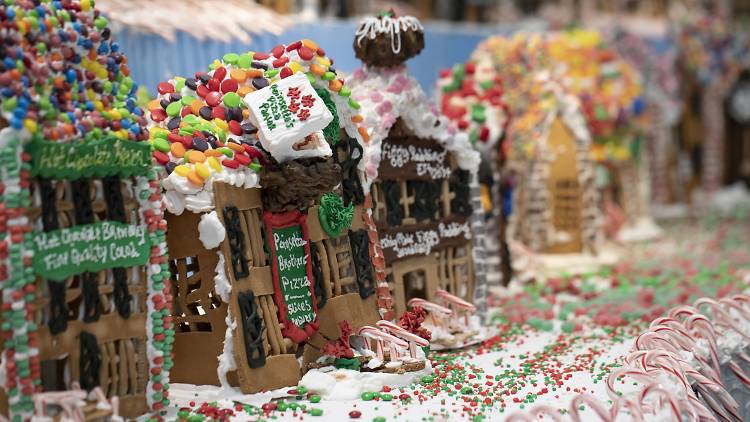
542, 101
62, 77
710, 47
221, 20
608, 87
203, 131
471, 95
392, 93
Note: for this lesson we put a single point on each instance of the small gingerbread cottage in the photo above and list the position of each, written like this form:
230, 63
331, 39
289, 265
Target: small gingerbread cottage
737, 148
271, 249
420, 170
84, 292
555, 200
471, 95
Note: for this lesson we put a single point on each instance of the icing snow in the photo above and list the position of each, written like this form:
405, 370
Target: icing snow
371, 27
347, 384
386, 95
643, 229
210, 230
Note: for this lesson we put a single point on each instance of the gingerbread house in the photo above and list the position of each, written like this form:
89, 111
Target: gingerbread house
84, 291
737, 148
555, 200
471, 95
420, 170
271, 249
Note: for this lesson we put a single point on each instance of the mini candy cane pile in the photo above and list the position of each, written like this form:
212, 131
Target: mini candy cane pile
673, 352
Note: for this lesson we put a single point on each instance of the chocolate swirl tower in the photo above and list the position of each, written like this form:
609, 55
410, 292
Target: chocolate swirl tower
388, 40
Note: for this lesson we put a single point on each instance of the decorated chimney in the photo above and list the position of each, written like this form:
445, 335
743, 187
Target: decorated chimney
419, 170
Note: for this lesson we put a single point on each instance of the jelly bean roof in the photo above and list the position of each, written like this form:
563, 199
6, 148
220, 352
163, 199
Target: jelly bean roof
201, 127
220, 20
387, 94
542, 101
608, 87
62, 76
471, 95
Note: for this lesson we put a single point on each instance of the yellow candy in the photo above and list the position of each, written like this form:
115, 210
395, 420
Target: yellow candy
85, 5
214, 163
154, 130
30, 125
115, 114
221, 124
323, 61
294, 67
182, 170
203, 171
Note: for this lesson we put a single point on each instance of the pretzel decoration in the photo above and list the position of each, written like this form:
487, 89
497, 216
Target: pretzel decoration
398, 331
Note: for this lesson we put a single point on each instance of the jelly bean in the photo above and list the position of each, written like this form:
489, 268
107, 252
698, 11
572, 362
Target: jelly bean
213, 98
203, 171
231, 99
306, 53
177, 149
164, 88
194, 178
214, 163
195, 156
173, 109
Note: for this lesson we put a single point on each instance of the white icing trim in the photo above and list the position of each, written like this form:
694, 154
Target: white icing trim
388, 94
371, 27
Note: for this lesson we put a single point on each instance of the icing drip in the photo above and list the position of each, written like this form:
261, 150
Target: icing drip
371, 27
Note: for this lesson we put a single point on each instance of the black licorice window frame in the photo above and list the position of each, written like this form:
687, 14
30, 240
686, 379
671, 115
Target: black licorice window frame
318, 279
236, 242
111, 187
252, 330
459, 184
90, 361
351, 186
360, 245
392, 196
426, 199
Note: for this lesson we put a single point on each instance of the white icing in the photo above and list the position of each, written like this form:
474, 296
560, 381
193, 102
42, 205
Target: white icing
226, 358
346, 384
388, 94
371, 27
221, 282
210, 230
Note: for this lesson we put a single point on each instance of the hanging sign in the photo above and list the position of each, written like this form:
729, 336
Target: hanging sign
99, 158
62, 253
291, 268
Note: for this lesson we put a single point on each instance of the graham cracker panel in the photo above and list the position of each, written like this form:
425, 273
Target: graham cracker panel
195, 357
565, 189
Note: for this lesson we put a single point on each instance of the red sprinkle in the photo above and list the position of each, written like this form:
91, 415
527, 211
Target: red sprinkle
355, 414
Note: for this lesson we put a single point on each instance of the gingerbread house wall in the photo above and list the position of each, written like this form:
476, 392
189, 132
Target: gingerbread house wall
89, 304
201, 332
532, 221
452, 265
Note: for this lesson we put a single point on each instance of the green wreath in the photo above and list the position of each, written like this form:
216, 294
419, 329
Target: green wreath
333, 215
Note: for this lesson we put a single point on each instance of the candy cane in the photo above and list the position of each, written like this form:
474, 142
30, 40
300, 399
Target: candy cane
699, 323
413, 339
454, 301
536, 413
438, 313
663, 394
739, 373
593, 403
382, 337
630, 403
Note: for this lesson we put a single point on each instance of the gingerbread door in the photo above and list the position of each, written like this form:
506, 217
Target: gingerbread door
565, 190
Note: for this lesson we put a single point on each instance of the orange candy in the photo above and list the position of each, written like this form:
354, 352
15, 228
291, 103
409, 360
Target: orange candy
358, 118
195, 106
195, 156
238, 75
153, 105
317, 69
244, 90
235, 146
362, 131
177, 149
212, 153
335, 85
253, 73
194, 178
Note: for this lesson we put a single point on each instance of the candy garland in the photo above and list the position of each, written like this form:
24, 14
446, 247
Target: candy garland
21, 362
159, 301
201, 127
65, 80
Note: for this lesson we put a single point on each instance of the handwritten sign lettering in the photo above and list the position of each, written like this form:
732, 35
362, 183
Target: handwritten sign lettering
423, 239
100, 158
59, 254
286, 235
423, 161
